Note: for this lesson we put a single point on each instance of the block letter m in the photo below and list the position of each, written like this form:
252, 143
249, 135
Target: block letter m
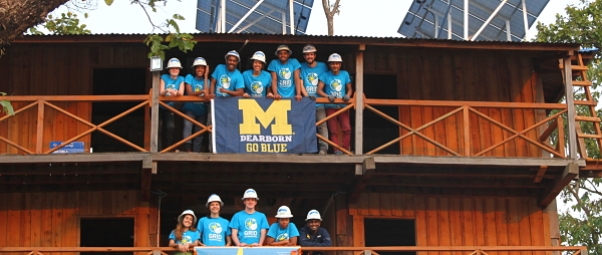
277, 112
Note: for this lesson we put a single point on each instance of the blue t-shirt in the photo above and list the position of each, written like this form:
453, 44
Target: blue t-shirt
213, 231
226, 79
256, 86
335, 85
197, 108
280, 234
311, 76
249, 226
187, 237
285, 78
172, 84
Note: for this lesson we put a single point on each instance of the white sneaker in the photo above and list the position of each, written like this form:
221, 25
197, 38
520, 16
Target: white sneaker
322, 152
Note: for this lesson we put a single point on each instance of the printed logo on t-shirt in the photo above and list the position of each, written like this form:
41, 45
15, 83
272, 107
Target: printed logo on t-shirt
336, 87
257, 87
225, 81
312, 78
216, 231
285, 78
170, 86
251, 228
282, 237
186, 240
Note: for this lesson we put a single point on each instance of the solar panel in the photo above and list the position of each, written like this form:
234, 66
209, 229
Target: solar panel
492, 20
267, 17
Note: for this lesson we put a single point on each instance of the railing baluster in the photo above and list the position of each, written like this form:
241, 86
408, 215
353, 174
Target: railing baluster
40, 127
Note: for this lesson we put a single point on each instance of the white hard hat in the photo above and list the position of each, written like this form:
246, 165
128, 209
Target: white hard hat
174, 63
313, 215
232, 53
284, 212
335, 57
199, 62
309, 48
250, 193
190, 212
284, 47
259, 55
214, 198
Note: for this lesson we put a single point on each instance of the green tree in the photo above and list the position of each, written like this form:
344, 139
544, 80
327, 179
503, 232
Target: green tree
581, 223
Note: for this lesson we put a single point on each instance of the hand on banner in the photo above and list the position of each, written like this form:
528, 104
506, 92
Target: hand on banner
312, 97
270, 95
298, 97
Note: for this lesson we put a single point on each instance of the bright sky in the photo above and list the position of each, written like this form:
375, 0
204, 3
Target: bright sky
380, 18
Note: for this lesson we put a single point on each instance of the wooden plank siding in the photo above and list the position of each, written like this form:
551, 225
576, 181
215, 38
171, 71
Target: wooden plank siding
463, 76
56, 70
52, 219
450, 221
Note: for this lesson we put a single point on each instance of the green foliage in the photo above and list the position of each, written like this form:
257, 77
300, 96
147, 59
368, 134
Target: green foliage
581, 224
66, 24
6, 106
184, 42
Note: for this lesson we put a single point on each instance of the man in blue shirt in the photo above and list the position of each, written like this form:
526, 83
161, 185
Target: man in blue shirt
285, 74
310, 74
312, 234
283, 232
248, 226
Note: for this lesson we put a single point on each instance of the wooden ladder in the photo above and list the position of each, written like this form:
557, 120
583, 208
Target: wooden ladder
585, 109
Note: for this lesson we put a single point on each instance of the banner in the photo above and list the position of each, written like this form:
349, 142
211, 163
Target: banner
263, 125
262, 250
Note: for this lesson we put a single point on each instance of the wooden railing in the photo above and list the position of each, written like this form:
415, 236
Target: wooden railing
466, 250
468, 119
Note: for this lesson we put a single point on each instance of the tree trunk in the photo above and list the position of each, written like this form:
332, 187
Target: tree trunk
16, 16
330, 13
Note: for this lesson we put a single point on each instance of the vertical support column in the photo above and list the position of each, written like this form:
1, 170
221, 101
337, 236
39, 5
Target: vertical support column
525, 19
222, 15
552, 212
508, 32
570, 103
291, 16
359, 100
154, 134
40, 127
466, 4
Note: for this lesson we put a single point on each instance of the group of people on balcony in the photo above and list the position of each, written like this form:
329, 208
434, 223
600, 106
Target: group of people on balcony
285, 78
247, 228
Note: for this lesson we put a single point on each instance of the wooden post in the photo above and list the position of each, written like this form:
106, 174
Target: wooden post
359, 100
154, 134
570, 103
40, 130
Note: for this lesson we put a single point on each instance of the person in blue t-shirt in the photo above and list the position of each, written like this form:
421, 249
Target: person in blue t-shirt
226, 80
286, 82
249, 226
283, 232
195, 86
214, 229
334, 84
185, 236
310, 74
257, 81
171, 84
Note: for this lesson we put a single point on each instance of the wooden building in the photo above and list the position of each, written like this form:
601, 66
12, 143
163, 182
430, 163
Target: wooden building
454, 144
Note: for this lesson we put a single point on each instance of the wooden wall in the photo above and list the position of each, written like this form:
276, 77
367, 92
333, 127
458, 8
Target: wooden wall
454, 75
446, 221
52, 219
38, 69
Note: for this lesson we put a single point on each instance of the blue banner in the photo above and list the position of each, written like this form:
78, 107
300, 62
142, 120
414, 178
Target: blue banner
263, 125
262, 250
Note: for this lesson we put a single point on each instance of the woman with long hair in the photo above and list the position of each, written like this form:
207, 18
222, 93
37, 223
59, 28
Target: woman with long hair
185, 235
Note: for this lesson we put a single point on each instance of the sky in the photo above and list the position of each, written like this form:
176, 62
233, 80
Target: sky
380, 18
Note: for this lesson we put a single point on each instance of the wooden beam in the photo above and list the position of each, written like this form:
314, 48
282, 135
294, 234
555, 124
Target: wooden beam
570, 172
40, 128
540, 174
73, 158
476, 161
570, 103
154, 134
359, 100
368, 167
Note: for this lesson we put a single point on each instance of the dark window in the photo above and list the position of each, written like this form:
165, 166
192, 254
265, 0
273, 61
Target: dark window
390, 232
378, 130
107, 232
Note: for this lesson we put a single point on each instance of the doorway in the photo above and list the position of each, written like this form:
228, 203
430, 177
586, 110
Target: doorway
118, 81
107, 232
390, 232
378, 130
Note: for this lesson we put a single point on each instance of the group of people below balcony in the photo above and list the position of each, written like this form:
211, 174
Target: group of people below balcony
285, 78
248, 228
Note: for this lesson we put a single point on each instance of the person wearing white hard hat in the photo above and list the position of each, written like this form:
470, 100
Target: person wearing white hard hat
171, 84
312, 234
185, 236
196, 85
283, 232
214, 229
249, 226
286, 82
226, 80
334, 84
257, 81
310, 74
